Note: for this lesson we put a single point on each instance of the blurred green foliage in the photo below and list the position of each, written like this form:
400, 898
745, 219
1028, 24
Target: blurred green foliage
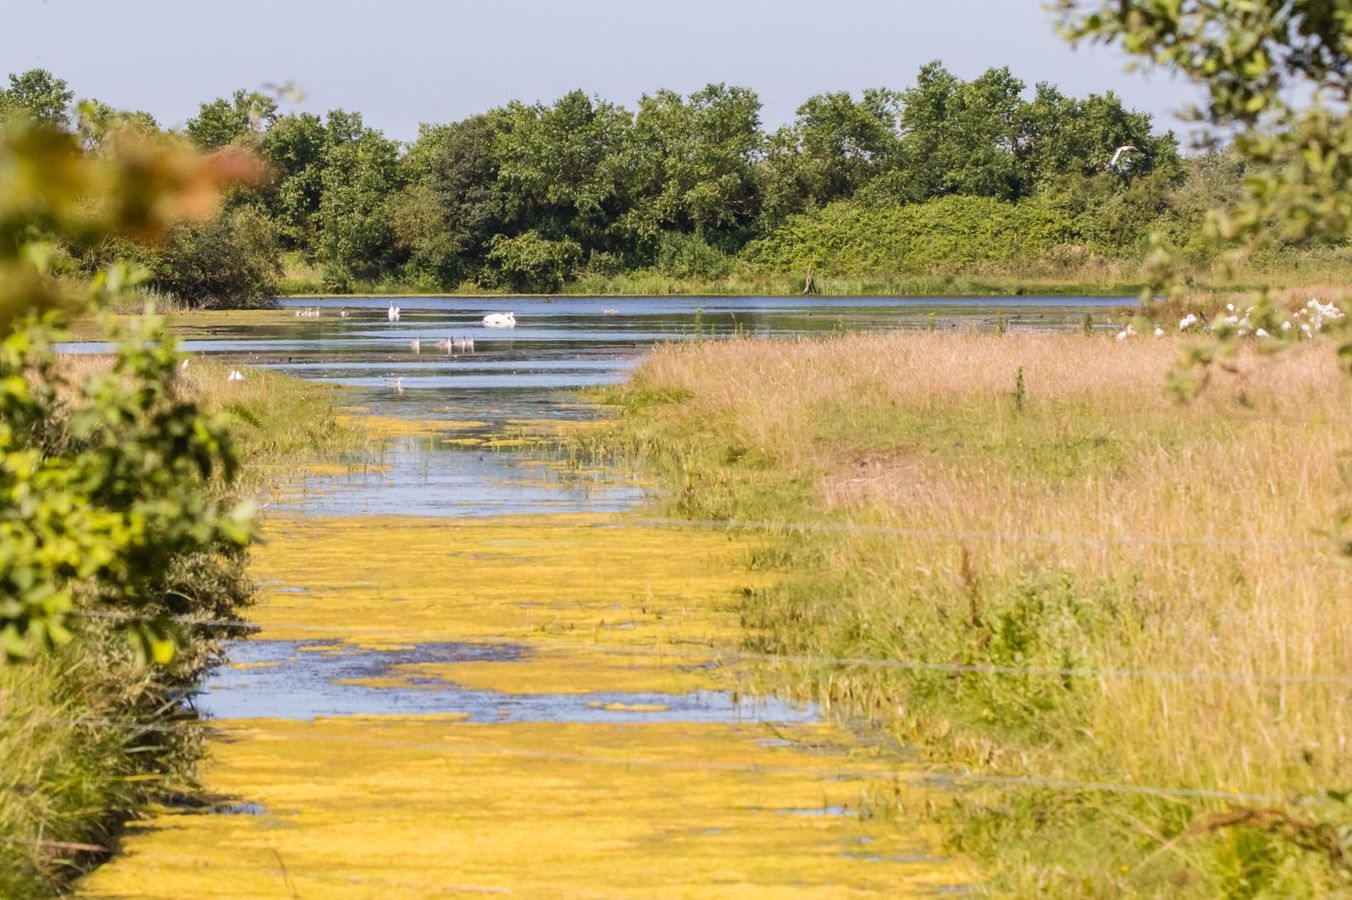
109, 475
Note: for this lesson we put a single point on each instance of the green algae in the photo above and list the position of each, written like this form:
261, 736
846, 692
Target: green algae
410, 806
413, 806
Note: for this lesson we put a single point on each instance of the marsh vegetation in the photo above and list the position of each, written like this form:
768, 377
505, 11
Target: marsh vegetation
1018, 554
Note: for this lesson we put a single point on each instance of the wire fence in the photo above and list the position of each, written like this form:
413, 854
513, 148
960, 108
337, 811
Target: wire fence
879, 769
1327, 543
729, 655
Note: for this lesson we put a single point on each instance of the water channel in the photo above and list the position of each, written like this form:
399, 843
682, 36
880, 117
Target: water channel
479, 672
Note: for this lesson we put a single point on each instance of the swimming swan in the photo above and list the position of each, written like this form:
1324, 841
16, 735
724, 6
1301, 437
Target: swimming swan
500, 320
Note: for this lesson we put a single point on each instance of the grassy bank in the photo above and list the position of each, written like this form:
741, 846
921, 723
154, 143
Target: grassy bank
1125, 575
89, 734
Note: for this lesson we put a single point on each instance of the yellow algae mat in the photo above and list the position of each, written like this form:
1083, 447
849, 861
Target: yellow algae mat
620, 802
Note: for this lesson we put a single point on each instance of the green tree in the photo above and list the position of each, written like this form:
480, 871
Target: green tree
1277, 74
836, 145
295, 147
693, 161
96, 120
452, 205
1059, 136
361, 176
1268, 70
41, 95
961, 137
562, 168
222, 122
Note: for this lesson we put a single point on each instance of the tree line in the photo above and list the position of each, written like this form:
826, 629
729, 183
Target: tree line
532, 197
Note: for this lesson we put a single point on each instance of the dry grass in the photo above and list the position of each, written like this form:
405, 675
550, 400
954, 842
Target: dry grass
1098, 525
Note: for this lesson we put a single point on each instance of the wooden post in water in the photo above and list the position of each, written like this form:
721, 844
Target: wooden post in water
810, 286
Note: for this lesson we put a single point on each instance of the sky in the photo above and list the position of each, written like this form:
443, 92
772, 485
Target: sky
403, 62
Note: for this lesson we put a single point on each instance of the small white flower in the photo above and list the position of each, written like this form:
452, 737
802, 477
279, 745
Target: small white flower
1260, 333
1286, 326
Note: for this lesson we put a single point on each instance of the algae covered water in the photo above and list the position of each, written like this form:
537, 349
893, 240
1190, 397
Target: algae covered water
482, 671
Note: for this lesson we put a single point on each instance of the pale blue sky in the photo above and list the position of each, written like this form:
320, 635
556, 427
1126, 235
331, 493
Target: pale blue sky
401, 62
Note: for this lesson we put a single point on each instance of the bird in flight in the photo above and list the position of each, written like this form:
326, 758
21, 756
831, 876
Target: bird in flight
1118, 153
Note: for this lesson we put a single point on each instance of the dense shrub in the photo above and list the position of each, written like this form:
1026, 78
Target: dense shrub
848, 239
690, 256
230, 261
529, 262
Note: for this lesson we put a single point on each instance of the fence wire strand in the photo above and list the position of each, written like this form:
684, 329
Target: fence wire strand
872, 767
732, 655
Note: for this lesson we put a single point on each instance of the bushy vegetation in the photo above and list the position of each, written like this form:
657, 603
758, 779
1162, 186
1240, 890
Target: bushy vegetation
684, 192
1156, 587
229, 262
119, 508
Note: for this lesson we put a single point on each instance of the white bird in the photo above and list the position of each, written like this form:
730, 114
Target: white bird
610, 311
1125, 148
415, 345
343, 312
393, 313
183, 366
500, 320
235, 375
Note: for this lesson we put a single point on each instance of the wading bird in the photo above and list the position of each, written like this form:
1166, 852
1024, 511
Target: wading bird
415, 345
393, 313
500, 320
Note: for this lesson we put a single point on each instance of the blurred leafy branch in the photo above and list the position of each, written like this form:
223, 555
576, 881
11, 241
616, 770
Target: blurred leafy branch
108, 474
1276, 78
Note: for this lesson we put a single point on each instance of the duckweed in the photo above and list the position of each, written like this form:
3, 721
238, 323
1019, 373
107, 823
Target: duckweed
412, 805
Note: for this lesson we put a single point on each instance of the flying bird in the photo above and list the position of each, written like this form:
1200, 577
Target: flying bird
1118, 153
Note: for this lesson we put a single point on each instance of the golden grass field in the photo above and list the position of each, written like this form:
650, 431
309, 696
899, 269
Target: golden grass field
1177, 558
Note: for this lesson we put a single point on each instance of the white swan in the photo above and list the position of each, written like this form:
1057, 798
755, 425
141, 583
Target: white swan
393, 313
500, 320
235, 375
415, 345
